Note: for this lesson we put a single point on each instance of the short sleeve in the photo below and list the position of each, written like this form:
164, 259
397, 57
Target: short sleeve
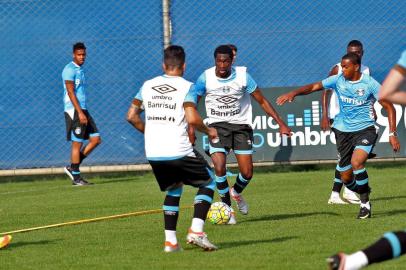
191, 96
251, 84
402, 60
330, 82
200, 85
68, 74
139, 94
375, 86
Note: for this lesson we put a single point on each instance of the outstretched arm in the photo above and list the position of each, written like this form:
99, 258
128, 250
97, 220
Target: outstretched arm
304, 90
133, 115
390, 87
270, 111
390, 109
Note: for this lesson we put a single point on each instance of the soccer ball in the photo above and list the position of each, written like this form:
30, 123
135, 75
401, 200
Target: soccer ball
219, 213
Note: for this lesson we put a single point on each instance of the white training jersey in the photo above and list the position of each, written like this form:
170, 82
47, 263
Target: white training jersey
166, 135
228, 100
334, 107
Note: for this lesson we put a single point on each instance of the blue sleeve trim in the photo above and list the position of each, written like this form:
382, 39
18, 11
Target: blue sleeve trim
251, 84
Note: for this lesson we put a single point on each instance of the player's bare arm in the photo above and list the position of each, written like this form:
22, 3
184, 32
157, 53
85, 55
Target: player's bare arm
390, 89
270, 111
304, 90
70, 87
194, 119
393, 139
133, 115
325, 98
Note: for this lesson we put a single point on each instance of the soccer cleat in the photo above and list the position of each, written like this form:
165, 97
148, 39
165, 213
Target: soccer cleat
364, 213
200, 239
351, 196
336, 200
81, 182
336, 262
5, 240
241, 203
232, 220
169, 247
68, 172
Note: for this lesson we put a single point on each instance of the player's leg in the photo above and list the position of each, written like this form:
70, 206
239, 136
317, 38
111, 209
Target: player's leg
196, 172
218, 152
242, 180
390, 246
171, 214
335, 192
92, 133
358, 160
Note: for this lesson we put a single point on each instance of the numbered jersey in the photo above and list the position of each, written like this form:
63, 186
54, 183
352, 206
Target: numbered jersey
166, 135
73, 72
334, 107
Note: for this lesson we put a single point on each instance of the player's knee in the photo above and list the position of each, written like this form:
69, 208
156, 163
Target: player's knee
247, 174
357, 164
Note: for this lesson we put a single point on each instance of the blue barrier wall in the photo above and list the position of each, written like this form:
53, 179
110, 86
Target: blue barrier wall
283, 43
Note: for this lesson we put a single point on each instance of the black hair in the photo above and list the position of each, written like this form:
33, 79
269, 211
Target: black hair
223, 49
355, 43
233, 47
79, 46
354, 58
174, 56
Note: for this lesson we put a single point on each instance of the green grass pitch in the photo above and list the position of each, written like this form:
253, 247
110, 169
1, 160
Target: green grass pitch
289, 226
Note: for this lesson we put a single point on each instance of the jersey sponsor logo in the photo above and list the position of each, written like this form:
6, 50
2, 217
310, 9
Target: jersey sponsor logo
160, 105
224, 114
161, 118
353, 101
164, 88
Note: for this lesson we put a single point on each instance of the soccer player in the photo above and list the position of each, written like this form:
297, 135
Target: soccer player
330, 110
169, 102
354, 125
5, 240
392, 244
80, 125
228, 92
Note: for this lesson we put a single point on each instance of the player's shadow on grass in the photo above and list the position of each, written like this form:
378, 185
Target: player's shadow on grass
115, 180
389, 198
391, 213
288, 216
19, 244
233, 244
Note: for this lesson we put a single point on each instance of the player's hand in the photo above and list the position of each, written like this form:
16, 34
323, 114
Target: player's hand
192, 135
289, 97
285, 130
82, 118
213, 136
394, 142
325, 123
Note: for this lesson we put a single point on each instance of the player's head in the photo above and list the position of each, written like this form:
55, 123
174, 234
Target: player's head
350, 64
79, 53
234, 49
355, 46
223, 56
174, 59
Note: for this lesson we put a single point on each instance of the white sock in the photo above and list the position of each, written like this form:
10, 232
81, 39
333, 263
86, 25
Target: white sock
356, 261
170, 236
335, 194
367, 205
197, 225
